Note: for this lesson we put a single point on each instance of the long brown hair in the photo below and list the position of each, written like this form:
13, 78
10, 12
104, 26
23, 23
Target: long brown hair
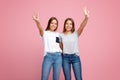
50, 20
73, 25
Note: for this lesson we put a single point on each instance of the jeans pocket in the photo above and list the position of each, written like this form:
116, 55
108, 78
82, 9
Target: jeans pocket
48, 55
75, 55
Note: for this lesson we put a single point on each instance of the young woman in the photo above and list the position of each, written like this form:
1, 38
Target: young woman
69, 40
52, 51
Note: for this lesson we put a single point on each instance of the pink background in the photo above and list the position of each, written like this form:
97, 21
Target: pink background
21, 47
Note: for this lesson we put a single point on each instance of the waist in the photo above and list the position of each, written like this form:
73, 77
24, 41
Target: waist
77, 53
53, 53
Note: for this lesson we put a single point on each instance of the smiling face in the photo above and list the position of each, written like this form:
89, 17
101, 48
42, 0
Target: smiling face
69, 25
52, 24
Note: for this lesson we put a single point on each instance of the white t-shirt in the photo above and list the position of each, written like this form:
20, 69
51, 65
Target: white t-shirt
70, 43
51, 42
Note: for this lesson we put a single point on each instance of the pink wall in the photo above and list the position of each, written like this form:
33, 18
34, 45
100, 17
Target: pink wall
21, 47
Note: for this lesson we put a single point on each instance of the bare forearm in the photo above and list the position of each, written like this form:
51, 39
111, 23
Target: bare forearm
61, 45
39, 27
83, 24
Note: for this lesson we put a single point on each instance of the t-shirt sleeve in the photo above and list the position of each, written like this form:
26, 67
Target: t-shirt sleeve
44, 32
60, 37
76, 33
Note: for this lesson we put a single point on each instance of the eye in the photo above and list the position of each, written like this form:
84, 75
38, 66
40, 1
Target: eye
70, 23
51, 22
55, 23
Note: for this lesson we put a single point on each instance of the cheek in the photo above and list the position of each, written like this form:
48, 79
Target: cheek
65, 27
55, 25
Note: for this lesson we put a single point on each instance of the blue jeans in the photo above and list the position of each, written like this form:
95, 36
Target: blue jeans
51, 60
74, 60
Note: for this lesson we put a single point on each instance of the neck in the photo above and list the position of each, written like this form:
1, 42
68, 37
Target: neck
67, 32
52, 30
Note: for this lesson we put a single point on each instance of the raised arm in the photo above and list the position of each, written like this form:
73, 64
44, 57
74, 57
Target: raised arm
36, 19
83, 24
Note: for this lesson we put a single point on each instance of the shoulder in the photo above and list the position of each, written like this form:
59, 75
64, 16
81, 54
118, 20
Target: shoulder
56, 32
61, 34
75, 33
46, 33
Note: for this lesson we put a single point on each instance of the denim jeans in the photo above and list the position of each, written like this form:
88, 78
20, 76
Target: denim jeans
74, 60
51, 60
